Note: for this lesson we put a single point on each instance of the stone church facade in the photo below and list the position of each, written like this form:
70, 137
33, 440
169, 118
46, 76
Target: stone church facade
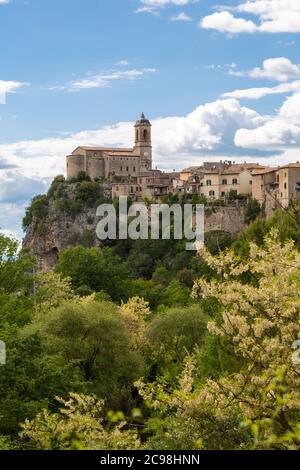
101, 162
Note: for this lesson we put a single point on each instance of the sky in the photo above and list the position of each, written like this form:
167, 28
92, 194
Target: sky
218, 80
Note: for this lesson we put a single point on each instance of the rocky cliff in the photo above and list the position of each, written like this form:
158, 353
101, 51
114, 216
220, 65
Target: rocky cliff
60, 229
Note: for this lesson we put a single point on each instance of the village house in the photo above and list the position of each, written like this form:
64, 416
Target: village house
129, 172
275, 188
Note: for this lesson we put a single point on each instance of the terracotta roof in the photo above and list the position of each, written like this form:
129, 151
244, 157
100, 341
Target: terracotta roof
264, 171
290, 165
239, 167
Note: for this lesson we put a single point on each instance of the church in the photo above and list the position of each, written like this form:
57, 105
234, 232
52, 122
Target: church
102, 162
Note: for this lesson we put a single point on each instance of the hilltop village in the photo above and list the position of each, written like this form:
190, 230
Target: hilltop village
129, 172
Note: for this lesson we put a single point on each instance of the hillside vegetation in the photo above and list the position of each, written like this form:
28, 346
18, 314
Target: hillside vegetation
143, 345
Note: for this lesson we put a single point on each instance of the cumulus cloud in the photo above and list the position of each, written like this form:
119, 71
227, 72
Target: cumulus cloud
219, 129
290, 110
281, 131
280, 69
226, 23
273, 16
260, 92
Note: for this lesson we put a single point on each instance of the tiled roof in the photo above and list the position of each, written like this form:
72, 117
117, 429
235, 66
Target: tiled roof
239, 167
290, 165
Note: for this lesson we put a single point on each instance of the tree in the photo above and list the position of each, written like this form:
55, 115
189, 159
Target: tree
173, 334
31, 378
261, 320
37, 210
16, 267
92, 335
257, 405
94, 268
134, 314
252, 211
78, 425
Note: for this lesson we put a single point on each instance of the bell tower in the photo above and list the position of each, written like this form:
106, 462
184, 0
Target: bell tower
143, 143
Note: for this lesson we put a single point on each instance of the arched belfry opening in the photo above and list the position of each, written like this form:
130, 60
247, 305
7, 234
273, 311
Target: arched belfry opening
145, 135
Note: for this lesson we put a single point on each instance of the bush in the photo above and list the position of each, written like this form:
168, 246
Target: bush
38, 210
58, 182
87, 193
252, 211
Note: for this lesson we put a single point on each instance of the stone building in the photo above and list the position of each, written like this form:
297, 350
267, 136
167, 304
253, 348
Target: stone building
216, 179
275, 188
102, 162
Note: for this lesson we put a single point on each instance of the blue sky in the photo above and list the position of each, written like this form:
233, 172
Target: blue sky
216, 80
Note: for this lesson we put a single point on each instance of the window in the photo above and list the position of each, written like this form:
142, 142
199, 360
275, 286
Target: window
137, 188
131, 189
121, 168
137, 134
285, 186
224, 182
211, 193
208, 182
145, 135
223, 193
234, 181
134, 169
127, 168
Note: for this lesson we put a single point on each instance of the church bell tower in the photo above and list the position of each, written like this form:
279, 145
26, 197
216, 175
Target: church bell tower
143, 143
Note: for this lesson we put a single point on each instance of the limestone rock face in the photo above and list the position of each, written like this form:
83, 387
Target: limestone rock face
59, 231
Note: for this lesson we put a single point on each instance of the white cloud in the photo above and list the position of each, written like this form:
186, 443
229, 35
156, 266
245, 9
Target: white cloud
226, 23
282, 130
103, 80
153, 6
181, 17
220, 129
273, 134
280, 69
290, 110
273, 16
9, 87
260, 92
163, 3
123, 63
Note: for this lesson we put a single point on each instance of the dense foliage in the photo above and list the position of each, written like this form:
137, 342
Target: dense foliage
143, 345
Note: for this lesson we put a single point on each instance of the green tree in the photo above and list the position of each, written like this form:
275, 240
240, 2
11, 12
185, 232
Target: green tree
37, 210
93, 335
98, 269
252, 211
173, 334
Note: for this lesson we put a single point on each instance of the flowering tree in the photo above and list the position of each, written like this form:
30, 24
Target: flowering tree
78, 425
260, 303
